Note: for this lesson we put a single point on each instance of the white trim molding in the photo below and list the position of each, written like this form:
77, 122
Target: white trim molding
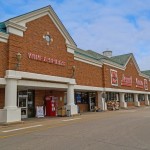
87, 88
2, 81
35, 76
38, 84
125, 91
70, 49
4, 37
15, 28
88, 61
114, 65
23, 19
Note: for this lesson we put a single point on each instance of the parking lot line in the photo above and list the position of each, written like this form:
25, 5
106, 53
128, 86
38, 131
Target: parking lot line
21, 128
71, 119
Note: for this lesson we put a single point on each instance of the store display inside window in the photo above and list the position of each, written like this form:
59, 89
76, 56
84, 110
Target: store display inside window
141, 97
111, 96
112, 101
81, 97
149, 97
129, 97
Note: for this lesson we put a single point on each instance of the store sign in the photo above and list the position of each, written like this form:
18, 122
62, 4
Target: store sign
49, 60
139, 83
126, 81
145, 84
114, 77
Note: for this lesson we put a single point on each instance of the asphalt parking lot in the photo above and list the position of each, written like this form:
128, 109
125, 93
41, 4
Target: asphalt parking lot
115, 130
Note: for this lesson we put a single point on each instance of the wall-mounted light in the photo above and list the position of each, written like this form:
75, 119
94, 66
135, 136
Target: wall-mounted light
73, 71
18, 57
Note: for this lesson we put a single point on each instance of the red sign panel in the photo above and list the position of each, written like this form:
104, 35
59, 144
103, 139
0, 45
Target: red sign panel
126, 81
46, 59
114, 77
139, 83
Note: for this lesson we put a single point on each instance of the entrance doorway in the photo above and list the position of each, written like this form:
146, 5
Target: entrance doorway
26, 103
22, 103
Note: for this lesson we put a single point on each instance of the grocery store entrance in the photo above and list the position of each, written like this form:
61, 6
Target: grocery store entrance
26, 103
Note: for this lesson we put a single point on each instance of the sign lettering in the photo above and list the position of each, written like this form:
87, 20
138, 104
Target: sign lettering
126, 81
145, 84
114, 77
139, 83
46, 59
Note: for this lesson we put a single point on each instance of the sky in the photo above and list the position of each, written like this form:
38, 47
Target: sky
122, 26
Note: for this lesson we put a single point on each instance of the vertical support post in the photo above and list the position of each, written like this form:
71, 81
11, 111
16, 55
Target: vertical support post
11, 94
10, 112
136, 101
101, 101
123, 104
146, 100
70, 100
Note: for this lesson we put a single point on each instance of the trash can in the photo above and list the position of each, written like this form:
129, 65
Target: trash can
68, 113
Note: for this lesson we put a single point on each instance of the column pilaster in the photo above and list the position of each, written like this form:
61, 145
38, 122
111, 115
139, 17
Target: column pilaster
70, 100
10, 113
101, 101
136, 101
123, 104
146, 100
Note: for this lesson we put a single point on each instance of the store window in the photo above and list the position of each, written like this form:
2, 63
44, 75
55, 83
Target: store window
129, 97
112, 96
83, 97
141, 97
149, 97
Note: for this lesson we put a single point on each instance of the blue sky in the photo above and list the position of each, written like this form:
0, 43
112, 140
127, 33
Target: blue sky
122, 26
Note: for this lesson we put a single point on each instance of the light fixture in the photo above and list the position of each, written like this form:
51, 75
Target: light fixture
18, 57
73, 71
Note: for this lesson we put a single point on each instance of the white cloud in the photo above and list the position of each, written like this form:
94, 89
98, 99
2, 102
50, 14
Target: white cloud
120, 25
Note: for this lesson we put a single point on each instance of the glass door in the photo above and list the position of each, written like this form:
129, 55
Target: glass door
31, 107
22, 103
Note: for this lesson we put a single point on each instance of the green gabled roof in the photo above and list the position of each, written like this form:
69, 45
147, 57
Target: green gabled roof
114, 59
2, 27
146, 72
121, 59
96, 55
85, 54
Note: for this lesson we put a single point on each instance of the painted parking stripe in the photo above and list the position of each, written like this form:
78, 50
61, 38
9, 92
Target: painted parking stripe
72, 119
22, 128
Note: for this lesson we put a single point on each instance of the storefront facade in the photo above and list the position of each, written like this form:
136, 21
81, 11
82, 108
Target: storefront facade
40, 63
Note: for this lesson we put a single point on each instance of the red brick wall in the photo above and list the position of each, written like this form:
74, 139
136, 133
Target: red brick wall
142, 103
130, 103
2, 98
33, 41
40, 95
3, 58
88, 75
129, 71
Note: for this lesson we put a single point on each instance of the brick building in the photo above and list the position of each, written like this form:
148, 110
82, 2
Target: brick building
40, 63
